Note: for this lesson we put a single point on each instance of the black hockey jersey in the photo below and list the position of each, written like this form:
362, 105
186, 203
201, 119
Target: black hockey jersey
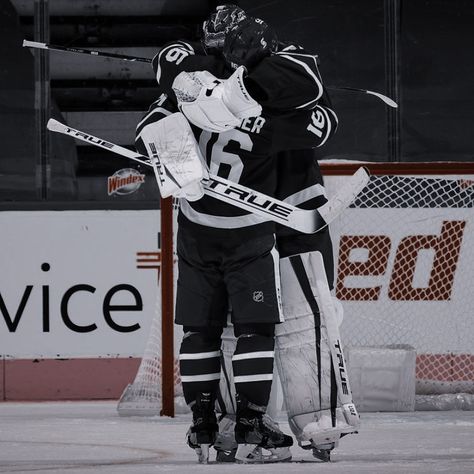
289, 91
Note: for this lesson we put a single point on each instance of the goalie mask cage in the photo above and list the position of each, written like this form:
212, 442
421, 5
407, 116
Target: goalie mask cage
404, 255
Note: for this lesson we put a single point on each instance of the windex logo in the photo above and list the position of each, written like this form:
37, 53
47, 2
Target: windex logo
125, 181
444, 248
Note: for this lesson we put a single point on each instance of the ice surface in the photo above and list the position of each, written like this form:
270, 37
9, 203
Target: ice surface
90, 437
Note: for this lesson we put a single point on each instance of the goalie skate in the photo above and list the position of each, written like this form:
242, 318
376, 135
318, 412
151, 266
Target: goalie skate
322, 432
251, 454
254, 427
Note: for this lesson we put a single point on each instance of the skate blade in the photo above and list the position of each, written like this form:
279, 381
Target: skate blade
253, 454
323, 455
203, 453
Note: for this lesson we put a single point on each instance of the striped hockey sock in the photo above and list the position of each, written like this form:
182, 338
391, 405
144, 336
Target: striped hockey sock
252, 363
199, 364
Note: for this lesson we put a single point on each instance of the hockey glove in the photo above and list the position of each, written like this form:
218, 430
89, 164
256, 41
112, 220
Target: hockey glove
213, 104
172, 140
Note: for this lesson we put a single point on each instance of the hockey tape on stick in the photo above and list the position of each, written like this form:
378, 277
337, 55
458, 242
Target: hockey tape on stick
306, 221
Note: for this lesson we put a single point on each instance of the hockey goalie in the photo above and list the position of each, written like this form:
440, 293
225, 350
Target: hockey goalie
310, 365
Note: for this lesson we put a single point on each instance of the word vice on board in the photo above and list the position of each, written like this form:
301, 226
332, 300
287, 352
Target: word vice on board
13, 318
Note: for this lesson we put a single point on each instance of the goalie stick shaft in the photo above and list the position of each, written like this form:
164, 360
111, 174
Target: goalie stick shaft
306, 221
125, 57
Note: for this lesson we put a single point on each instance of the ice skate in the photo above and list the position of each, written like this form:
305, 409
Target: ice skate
323, 451
253, 427
225, 444
251, 454
202, 433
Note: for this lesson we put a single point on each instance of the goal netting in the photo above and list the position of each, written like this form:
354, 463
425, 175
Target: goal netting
404, 255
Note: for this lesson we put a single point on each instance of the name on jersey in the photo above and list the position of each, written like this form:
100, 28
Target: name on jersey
252, 124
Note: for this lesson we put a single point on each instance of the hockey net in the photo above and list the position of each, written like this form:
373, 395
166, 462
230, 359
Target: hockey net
404, 254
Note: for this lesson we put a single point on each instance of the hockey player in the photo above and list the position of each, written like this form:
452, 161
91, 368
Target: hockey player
315, 411
315, 414
226, 255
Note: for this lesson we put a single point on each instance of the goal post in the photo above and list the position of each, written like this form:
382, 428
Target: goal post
404, 275
156, 383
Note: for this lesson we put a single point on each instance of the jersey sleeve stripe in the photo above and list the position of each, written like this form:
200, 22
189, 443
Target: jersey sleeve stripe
306, 194
328, 127
177, 44
310, 72
220, 222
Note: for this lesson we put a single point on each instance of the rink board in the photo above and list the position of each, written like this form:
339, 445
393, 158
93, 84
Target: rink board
63, 273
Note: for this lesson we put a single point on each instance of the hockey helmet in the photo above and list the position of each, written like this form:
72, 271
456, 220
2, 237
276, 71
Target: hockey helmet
249, 42
220, 21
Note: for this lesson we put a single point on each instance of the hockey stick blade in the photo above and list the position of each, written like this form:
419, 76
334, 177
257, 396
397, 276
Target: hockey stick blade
387, 100
270, 208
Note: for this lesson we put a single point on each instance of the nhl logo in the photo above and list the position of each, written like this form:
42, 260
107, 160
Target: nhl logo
258, 296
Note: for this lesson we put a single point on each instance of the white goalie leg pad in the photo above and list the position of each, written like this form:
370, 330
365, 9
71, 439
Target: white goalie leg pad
172, 141
303, 358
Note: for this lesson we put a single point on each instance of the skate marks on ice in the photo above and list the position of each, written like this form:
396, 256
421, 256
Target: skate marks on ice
84, 438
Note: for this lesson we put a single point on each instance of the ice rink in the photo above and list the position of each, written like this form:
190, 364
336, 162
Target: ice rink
90, 437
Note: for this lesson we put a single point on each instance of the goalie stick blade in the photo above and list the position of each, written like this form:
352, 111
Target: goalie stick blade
268, 207
346, 195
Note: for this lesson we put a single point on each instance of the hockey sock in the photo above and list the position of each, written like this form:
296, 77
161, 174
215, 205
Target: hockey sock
252, 363
199, 362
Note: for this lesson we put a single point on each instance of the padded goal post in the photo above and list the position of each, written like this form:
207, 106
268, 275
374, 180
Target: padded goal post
404, 253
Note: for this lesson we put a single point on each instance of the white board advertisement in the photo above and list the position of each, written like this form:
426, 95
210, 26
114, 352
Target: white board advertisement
77, 283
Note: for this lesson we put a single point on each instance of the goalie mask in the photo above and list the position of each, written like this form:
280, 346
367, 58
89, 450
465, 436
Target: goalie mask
249, 42
214, 29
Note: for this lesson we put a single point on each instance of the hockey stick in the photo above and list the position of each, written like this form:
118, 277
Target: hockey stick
53, 47
125, 57
306, 221
383, 98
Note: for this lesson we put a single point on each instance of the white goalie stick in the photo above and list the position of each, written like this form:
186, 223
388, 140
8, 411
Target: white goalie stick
306, 221
124, 57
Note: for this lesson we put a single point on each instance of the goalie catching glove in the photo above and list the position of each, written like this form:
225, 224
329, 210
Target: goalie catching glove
170, 143
213, 104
